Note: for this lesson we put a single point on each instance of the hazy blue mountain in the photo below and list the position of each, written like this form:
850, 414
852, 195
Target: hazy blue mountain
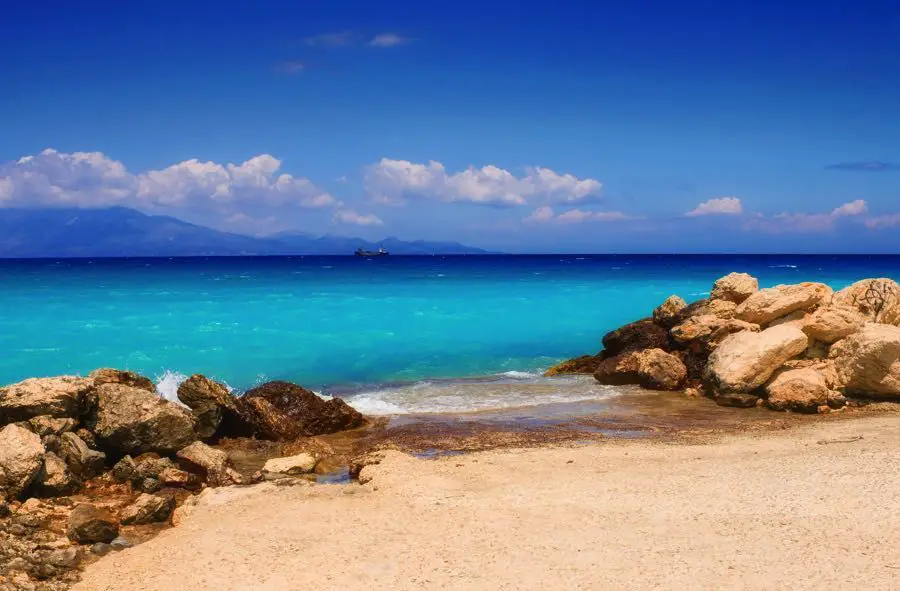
120, 231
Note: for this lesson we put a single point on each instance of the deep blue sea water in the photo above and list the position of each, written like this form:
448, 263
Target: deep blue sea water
389, 326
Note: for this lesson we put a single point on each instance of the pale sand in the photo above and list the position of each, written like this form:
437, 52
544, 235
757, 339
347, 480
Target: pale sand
771, 511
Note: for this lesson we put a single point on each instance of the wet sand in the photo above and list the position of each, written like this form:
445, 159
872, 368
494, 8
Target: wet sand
810, 506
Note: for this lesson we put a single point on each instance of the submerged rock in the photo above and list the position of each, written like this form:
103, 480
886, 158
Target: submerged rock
636, 336
126, 378
89, 524
868, 361
746, 360
734, 287
21, 459
60, 397
878, 300
133, 421
285, 411
772, 303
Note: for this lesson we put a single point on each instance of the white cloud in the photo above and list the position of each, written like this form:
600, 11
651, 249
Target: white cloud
339, 39
719, 206
541, 214
546, 214
348, 216
858, 207
883, 221
388, 40
393, 181
91, 179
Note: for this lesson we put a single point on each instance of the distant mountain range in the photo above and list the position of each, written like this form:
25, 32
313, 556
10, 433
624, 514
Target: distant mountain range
123, 232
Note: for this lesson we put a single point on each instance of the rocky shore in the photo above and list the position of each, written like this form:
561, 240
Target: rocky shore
799, 347
85, 460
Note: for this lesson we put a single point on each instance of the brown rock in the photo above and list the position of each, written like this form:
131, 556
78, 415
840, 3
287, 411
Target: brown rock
868, 361
46, 425
658, 370
89, 524
709, 329
126, 378
746, 360
636, 336
737, 400
878, 300
832, 323
285, 411
174, 477
148, 509
619, 370
21, 459
734, 287
210, 401
586, 364
666, 315
133, 421
213, 464
60, 397
772, 303
81, 460
803, 390
55, 479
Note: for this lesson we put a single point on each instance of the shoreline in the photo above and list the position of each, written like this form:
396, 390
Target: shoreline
626, 514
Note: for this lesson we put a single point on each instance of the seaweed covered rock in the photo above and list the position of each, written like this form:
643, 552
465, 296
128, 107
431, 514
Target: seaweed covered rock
285, 411
643, 334
130, 420
746, 360
734, 287
21, 459
772, 303
878, 300
60, 397
868, 361
108, 375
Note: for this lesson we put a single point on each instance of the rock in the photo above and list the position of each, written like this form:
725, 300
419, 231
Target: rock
734, 287
658, 370
878, 300
653, 369
868, 361
292, 465
124, 470
636, 336
803, 390
209, 400
148, 466
101, 549
126, 378
723, 309
825, 367
46, 425
771, 303
133, 421
148, 485
709, 329
54, 479
737, 400
832, 323
89, 524
213, 464
21, 458
148, 509
81, 460
797, 318
586, 364
666, 315
285, 411
88, 438
61, 397
174, 477
746, 360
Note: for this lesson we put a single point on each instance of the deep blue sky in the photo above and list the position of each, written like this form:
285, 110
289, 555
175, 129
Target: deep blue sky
779, 107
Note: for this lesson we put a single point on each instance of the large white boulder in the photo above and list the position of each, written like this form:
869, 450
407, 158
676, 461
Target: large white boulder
734, 287
832, 323
21, 459
772, 303
878, 300
744, 361
868, 361
58, 397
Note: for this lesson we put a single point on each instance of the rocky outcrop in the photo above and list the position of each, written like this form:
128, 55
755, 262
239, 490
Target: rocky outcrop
803, 390
55, 479
89, 524
108, 375
832, 323
293, 465
653, 369
878, 300
21, 459
81, 460
586, 364
636, 336
285, 411
212, 464
667, 314
133, 421
61, 397
745, 361
734, 287
868, 361
148, 509
772, 303
210, 401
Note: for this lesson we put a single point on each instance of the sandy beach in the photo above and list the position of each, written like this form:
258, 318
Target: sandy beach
811, 507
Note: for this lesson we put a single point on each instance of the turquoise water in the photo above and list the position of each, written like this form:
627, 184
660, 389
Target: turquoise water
351, 325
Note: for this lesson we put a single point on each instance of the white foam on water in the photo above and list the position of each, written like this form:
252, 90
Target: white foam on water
167, 384
463, 396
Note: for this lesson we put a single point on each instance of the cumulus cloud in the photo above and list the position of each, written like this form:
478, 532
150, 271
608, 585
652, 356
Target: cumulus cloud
858, 207
348, 216
91, 179
388, 40
718, 206
393, 181
808, 222
546, 214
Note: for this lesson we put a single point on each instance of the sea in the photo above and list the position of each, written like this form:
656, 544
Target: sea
392, 335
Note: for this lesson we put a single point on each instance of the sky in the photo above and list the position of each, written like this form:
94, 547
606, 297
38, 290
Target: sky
607, 126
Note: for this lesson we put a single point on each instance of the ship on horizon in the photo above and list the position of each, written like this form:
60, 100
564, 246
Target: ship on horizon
381, 252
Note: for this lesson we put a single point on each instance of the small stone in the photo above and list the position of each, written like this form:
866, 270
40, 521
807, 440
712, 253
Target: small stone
89, 524
64, 558
120, 543
148, 509
124, 469
299, 464
824, 409
149, 485
174, 477
101, 549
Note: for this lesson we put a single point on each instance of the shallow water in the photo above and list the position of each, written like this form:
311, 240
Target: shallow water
387, 333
